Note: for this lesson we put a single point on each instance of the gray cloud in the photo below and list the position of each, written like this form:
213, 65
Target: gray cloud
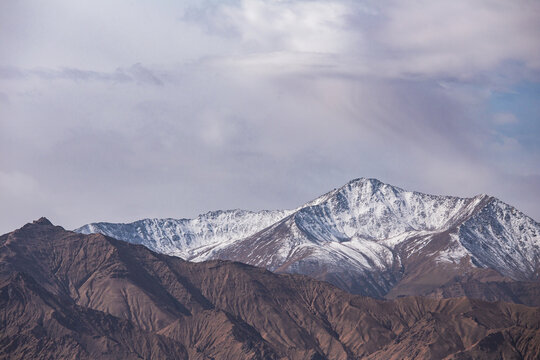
258, 104
134, 73
10, 72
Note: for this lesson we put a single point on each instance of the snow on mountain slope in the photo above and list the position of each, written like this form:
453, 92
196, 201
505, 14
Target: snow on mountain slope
503, 238
364, 235
362, 221
370, 209
186, 237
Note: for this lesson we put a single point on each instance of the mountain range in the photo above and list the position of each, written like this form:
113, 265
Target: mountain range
65, 295
368, 238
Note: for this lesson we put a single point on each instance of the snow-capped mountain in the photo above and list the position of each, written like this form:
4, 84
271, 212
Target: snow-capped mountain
187, 238
366, 237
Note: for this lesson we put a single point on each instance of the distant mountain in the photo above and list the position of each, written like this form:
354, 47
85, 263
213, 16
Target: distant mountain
188, 238
369, 238
73, 296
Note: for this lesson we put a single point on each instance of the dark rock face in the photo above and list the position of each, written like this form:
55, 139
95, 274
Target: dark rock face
72, 296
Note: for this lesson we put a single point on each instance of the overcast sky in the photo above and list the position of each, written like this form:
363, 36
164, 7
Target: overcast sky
121, 110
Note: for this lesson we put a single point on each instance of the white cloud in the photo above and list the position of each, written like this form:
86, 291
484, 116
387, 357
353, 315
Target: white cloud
461, 38
258, 103
311, 26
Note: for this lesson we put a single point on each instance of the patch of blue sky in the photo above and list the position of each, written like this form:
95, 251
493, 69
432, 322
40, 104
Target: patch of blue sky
516, 113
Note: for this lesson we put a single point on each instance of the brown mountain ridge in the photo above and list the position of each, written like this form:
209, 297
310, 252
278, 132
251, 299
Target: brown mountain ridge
72, 296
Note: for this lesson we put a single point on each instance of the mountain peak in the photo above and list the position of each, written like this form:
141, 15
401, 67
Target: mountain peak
42, 221
363, 180
371, 185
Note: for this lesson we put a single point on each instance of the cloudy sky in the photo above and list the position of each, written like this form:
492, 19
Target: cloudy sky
120, 110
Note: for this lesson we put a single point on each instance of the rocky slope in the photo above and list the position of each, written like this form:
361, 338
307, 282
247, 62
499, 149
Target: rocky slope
74, 296
366, 237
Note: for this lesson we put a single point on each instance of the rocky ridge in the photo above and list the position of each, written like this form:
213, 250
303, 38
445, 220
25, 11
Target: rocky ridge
366, 237
74, 296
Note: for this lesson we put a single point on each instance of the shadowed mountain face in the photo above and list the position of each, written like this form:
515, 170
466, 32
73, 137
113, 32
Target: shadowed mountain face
368, 238
74, 296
